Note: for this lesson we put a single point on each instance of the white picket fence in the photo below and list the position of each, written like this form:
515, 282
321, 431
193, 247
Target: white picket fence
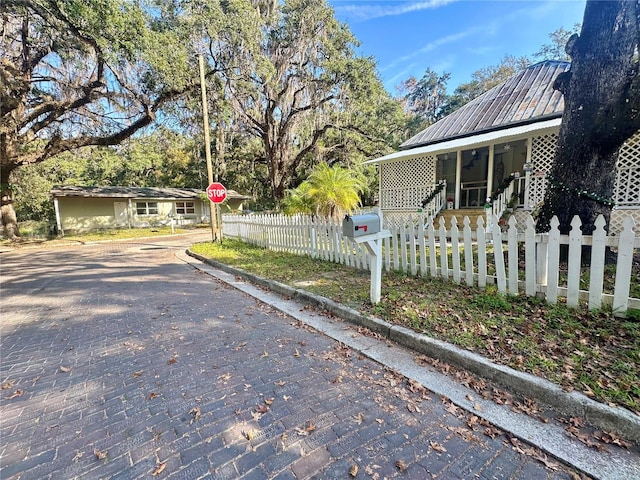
515, 261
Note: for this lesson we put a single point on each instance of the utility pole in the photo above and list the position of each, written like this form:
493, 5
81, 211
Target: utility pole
213, 209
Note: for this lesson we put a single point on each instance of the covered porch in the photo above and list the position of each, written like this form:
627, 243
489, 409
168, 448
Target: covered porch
463, 173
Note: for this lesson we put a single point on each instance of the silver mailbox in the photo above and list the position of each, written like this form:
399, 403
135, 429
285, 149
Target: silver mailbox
360, 225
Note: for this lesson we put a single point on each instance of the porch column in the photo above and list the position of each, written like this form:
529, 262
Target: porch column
458, 178
56, 207
528, 204
130, 213
492, 148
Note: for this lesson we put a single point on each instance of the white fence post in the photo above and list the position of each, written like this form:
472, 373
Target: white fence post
623, 268
553, 261
498, 256
512, 251
444, 259
573, 269
598, 249
468, 251
482, 253
455, 250
530, 257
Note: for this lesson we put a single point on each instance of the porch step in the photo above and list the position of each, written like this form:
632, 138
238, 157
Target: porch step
472, 213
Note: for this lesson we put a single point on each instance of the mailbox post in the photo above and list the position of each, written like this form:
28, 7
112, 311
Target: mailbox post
367, 229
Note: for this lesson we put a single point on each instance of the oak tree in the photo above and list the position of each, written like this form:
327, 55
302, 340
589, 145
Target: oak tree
83, 72
602, 110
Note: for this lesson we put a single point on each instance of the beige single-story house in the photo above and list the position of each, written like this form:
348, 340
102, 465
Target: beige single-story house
81, 209
509, 131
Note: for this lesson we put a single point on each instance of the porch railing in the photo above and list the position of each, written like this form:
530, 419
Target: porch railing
435, 202
502, 200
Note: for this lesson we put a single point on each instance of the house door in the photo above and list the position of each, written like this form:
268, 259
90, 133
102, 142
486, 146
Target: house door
121, 214
473, 178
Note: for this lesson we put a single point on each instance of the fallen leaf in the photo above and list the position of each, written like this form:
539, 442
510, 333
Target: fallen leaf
353, 471
492, 432
171, 361
160, 466
195, 415
588, 391
612, 438
250, 435
17, 393
77, 457
437, 447
137, 374
8, 384
262, 409
379, 420
301, 431
269, 400
240, 345
152, 395
452, 409
310, 427
286, 398
64, 369
265, 354
99, 455
297, 353
281, 383
402, 465
477, 407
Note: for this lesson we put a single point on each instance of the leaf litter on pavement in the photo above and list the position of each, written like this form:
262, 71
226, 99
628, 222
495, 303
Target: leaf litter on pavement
595, 353
553, 342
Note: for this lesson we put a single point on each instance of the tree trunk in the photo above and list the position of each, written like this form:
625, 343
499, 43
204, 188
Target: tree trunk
602, 110
8, 218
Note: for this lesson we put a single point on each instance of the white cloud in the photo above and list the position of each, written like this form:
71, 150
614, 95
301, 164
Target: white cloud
431, 46
488, 29
365, 12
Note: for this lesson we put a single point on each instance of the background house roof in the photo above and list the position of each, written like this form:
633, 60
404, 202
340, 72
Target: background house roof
135, 192
526, 97
125, 192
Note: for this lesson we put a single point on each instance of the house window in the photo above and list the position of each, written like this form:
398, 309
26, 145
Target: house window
185, 208
147, 208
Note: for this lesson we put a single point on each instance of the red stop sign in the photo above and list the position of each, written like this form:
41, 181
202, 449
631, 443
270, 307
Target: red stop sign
216, 192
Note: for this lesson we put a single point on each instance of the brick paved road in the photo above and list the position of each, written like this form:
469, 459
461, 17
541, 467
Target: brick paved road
119, 361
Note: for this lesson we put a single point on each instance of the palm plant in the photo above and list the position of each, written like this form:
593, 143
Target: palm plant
334, 190
298, 200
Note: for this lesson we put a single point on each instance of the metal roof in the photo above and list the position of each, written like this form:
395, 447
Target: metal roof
135, 192
124, 192
475, 141
526, 97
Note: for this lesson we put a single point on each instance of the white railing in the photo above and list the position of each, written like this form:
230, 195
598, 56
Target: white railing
436, 204
501, 202
476, 257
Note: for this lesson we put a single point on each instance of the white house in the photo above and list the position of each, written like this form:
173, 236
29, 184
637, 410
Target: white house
510, 129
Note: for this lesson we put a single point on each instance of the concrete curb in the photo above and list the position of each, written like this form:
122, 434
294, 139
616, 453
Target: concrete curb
598, 415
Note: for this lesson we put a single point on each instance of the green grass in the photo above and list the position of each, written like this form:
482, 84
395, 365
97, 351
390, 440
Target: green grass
592, 352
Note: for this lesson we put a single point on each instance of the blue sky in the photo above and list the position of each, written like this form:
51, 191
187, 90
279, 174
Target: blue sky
456, 36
